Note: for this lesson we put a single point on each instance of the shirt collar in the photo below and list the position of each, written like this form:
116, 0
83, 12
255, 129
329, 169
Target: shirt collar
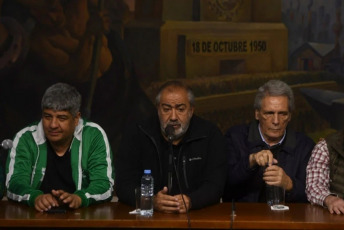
261, 135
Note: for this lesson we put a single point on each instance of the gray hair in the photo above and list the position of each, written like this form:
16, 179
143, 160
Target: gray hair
62, 97
176, 84
274, 88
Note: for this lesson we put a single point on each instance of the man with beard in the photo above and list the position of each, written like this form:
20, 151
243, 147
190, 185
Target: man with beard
198, 164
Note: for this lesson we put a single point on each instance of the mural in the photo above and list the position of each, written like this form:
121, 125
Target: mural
118, 52
44, 42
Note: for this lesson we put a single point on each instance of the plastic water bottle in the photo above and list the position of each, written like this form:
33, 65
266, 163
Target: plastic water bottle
147, 188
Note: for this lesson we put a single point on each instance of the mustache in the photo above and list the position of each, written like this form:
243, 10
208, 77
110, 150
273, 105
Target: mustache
173, 123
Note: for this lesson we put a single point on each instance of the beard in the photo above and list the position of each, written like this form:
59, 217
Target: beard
178, 133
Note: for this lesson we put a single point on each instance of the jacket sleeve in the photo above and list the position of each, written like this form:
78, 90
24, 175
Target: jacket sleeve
242, 182
98, 184
212, 186
20, 168
238, 153
303, 151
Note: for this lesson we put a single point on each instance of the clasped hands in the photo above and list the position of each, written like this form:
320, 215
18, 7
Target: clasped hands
56, 198
273, 174
171, 204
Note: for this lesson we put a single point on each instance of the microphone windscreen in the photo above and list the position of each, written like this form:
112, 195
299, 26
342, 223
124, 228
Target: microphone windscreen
6, 144
169, 130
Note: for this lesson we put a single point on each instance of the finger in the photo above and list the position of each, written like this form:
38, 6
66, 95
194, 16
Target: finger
44, 204
170, 203
270, 159
38, 206
336, 210
184, 203
183, 207
182, 210
271, 178
166, 206
57, 192
330, 210
170, 209
77, 201
260, 160
54, 192
67, 199
164, 190
53, 201
273, 170
167, 197
341, 209
64, 195
73, 203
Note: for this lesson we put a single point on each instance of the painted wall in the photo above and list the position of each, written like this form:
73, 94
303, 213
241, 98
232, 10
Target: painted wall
43, 42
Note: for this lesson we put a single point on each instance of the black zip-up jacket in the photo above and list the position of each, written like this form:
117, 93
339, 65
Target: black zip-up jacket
201, 161
245, 184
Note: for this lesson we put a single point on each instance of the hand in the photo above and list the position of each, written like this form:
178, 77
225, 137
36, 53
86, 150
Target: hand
166, 203
182, 208
334, 204
262, 158
45, 202
73, 201
275, 175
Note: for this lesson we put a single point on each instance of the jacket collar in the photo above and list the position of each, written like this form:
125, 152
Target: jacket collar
336, 140
255, 140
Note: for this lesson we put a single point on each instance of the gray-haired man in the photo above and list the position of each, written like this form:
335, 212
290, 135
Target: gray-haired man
61, 160
267, 141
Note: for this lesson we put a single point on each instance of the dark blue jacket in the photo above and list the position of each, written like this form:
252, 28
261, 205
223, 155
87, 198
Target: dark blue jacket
201, 161
244, 184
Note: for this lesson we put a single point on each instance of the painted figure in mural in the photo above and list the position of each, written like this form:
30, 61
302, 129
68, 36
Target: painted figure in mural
62, 159
267, 151
324, 182
187, 161
44, 42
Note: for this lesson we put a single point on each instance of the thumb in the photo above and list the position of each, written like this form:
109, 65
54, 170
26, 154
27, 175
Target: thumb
164, 190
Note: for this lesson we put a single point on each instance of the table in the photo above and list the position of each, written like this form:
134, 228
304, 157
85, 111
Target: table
116, 215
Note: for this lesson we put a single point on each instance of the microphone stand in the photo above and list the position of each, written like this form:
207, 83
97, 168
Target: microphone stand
172, 164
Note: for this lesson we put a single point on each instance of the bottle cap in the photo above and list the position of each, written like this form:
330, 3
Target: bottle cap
147, 171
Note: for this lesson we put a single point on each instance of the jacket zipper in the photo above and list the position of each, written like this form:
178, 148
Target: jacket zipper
183, 159
184, 171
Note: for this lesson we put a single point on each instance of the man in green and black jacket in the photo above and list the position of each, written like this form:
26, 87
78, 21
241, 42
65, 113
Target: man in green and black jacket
62, 160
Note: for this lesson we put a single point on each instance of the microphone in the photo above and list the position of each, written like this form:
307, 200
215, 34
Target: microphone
169, 131
6, 144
